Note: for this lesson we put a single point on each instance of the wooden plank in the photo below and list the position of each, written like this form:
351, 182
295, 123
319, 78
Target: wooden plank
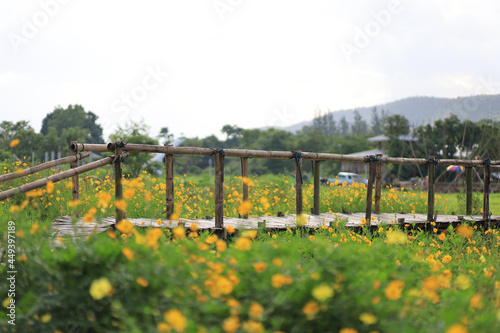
378, 185
219, 190
468, 182
244, 174
317, 172
486, 190
430, 190
169, 183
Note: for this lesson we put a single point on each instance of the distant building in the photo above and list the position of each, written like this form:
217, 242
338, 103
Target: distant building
362, 168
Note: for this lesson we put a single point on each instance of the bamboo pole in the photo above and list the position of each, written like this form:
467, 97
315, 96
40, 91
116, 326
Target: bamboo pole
378, 185
317, 172
298, 182
75, 188
244, 174
118, 166
219, 189
169, 182
468, 184
77, 147
431, 174
58, 177
486, 191
43, 166
369, 191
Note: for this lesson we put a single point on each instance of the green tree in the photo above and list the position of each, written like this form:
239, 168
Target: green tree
28, 139
136, 132
165, 136
359, 126
343, 127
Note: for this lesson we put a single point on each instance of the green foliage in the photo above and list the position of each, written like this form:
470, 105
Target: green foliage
135, 132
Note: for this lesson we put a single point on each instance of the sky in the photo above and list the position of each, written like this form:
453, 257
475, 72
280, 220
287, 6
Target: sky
195, 66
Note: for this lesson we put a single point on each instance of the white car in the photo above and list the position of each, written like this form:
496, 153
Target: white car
349, 178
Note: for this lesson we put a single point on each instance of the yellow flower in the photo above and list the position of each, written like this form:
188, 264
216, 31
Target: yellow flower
256, 311
277, 262
121, 204
311, 309
46, 318
278, 280
248, 181
179, 233
88, 218
259, 266
221, 245
128, 253
175, 319
394, 289
100, 288
6, 302
128, 193
457, 328
163, 327
104, 199
230, 229
143, 282
464, 231
249, 234
462, 282
447, 258
301, 220
50, 186
252, 326
211, 239
231, 324
348, 330
125, 227
152, 236
243, 244
442, 236
74, 203
322, 292
159, 221
34, 228
14, 143
367, 318
245, 207
397, 237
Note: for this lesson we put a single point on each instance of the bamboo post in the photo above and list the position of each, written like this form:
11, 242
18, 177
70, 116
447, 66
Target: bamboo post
317, 171
244, 174
298, 182
118, 181
57, 177
468, 184
75, 189
431, 174
369, 190
486, 190
378, 184
169, 183
219, 188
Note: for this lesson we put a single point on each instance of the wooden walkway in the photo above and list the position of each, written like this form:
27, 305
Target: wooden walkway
64, 226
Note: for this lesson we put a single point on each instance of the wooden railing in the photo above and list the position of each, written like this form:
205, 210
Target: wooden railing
374, 174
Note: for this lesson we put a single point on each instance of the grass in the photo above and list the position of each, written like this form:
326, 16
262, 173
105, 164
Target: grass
161, 280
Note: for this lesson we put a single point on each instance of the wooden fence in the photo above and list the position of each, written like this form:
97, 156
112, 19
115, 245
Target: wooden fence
374, 174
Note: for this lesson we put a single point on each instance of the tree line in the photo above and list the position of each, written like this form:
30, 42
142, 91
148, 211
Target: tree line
445, 138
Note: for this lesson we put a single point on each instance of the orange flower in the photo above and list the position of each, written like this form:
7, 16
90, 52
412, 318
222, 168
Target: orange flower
259, 266
143, 282
243, 244
121, 204
464, 231
50, 186
475, 301
125, 227
245, 207
14, 143
311, 309
230, 229
231, 324
128, 253
278, 280
457, 328
180, 233
176, 320
221, 245
394, 289
256, 311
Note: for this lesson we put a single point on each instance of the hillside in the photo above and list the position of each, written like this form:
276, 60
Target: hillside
423, 110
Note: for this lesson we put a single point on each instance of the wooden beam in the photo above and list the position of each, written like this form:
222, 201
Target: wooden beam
169, 184
486, 190
244, 174
118, 166
431, 174
219, 189
317, 171
468, 185
378, 185
369, 191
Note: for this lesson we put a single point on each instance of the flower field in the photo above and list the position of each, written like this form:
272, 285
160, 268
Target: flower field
174, 280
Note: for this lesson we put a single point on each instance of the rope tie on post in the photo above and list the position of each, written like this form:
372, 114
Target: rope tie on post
487, 162
372, 159
120, 144
219, 151
297, 156
435, 162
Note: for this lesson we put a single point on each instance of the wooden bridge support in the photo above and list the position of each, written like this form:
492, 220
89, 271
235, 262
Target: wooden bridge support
378, 185
75, 189
486, 190
369, 189
118, 168
298, 182
317, 172
219, 188
468, 184
431, 174
169, 184
244, 175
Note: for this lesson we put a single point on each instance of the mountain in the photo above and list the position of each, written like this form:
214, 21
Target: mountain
423, 110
